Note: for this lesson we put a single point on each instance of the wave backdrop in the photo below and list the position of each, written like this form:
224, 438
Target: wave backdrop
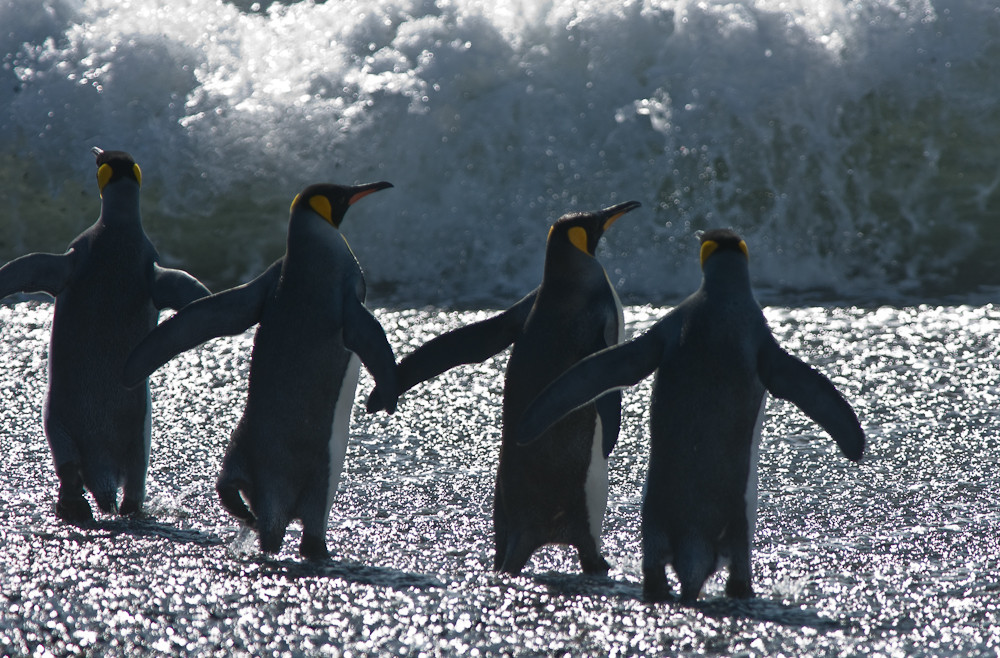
853, 143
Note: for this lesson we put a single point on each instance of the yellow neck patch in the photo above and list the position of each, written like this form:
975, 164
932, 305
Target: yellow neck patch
578, 236
138, 174
322, 206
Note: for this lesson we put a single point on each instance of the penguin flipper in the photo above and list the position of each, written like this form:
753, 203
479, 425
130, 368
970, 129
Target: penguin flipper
175, 288
472, 343
227, 313
364, 335
610, 369
40, 272
791, 379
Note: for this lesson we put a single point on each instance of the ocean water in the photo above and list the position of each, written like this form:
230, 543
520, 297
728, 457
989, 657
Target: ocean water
849, 140
896, 556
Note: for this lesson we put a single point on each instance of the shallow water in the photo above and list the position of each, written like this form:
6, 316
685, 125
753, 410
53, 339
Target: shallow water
897, 556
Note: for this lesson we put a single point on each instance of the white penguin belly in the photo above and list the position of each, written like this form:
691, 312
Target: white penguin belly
341, 427
596, 484
751, 491
147, 426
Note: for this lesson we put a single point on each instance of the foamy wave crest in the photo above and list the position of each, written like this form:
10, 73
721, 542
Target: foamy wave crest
851, 142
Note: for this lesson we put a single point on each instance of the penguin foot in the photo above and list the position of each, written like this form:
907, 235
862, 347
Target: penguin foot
130, 507
594, 565
655, 588
73, 509
313, 549
739, 588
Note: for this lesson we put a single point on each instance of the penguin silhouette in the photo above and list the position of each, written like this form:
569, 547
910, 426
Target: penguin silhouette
108, 291
555, 492
285, 456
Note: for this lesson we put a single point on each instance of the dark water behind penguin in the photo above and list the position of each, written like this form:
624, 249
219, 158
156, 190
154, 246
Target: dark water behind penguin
541, 494
714, 358
284, 458
108, 291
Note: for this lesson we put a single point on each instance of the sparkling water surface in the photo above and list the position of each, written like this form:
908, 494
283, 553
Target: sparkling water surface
897, 556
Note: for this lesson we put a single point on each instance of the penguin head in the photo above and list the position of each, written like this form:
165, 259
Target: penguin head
113, 166
720, 241
582, 231
331, 201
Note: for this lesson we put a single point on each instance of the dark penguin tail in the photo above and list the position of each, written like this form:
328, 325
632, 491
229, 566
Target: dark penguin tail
694, 561
107, 499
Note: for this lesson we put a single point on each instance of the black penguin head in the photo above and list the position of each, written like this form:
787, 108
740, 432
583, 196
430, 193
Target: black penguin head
721, 240
584, 230
114, 166
331, 201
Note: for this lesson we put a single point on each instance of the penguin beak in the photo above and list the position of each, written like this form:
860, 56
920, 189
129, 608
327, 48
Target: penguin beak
610, 215
361, 191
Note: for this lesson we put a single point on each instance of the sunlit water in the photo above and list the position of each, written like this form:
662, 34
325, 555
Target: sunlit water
898, 556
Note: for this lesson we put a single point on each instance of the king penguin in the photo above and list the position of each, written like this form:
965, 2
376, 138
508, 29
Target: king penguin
715, 359
285, 456
555, 492
108, 291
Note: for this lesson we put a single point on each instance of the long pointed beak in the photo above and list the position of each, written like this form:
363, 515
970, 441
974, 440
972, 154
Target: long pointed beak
361, 191
612, 214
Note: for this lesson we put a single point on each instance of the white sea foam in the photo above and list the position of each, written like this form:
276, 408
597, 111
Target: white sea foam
849, 141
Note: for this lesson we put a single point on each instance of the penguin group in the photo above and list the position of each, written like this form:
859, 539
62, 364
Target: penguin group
715, 361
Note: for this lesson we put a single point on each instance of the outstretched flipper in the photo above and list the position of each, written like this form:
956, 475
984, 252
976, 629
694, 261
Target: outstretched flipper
788, 378
472, 343
611, 369
364, 335
224, 314
175, 289
48, 273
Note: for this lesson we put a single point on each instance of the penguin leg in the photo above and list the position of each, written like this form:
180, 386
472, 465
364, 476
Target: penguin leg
134, 486
591, 560
739, 584
71, 506
313, 547
130, 506
314, 514
593, 564
137, 462
655, 587
270, 537
655, 554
